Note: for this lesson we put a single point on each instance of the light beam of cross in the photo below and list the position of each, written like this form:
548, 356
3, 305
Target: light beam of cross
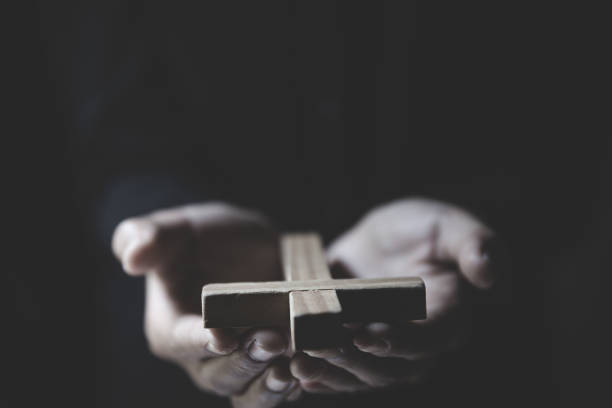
309, 301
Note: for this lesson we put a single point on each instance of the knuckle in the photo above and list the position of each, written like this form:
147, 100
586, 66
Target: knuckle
244, 368
306, 368
231, 382
339, 360
213, 382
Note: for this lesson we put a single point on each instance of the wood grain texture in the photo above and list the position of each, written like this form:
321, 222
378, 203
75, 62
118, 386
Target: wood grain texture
213, 289
310, 312
303, 257
249, 304
325, 302
310, 302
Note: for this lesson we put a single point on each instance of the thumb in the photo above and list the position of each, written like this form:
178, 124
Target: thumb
466, 241
151, 241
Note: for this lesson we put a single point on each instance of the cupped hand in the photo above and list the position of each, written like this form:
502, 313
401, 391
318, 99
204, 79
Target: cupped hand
183, 248
444, 245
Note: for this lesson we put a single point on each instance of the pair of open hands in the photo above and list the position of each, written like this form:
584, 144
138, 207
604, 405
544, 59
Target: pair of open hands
183, 248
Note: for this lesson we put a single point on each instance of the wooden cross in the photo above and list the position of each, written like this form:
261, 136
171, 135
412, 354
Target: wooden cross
309, 301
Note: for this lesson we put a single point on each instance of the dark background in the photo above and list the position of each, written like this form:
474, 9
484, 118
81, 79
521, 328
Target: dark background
121, 107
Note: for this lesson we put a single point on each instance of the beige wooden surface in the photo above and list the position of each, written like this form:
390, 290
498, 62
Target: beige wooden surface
309, 301
304, 259
251, 304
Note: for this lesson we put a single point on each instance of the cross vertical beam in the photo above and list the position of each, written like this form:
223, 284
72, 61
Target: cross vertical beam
314, 316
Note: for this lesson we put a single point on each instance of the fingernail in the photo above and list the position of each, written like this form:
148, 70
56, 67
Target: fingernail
214, 348
371, 343
308, 369
276, 384
258, 353
317, 353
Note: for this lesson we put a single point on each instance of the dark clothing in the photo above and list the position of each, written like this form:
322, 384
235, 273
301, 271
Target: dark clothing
313, 113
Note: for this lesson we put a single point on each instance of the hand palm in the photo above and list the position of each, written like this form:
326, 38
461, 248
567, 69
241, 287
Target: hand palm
223, 245
405, 239
181, 249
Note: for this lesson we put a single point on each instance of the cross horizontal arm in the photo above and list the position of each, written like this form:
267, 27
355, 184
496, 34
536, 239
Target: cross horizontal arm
250, 304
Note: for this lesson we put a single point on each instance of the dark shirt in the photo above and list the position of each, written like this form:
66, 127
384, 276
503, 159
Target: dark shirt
313, 113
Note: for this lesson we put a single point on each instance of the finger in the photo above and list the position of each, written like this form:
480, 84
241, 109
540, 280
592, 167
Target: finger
130, 232
178, 336
151, 241
414, 340
316, 375
409, 342
372, 370
189, 340
314, 387
268, 390
155, 240
295, 394
472, 245
231, 374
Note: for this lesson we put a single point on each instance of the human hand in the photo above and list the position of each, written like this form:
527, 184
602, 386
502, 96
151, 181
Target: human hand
178, 251
445, 246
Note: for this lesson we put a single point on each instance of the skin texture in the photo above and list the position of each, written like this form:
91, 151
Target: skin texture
449, 249
180, 249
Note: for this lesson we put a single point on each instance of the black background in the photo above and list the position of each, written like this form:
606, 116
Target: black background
496, 108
